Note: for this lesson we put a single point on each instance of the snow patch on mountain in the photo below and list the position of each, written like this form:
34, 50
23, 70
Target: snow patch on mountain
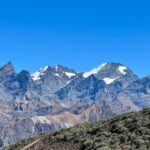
56, 68
94, 71
109, 80
122, 69
37, 75
69, 74
56, 74
40, 119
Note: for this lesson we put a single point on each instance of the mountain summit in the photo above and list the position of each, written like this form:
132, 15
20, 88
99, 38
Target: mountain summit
111, 72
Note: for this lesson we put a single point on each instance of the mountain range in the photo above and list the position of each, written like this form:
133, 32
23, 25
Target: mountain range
57, 97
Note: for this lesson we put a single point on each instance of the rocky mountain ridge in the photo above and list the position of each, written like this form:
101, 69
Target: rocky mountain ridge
58, 97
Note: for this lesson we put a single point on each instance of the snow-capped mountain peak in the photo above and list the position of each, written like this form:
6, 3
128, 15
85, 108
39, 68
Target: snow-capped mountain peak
60, 71
57, 71
37, 75
94, 71
109, 72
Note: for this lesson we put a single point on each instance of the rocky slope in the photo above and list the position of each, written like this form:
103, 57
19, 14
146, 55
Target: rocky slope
57, 97
127, 131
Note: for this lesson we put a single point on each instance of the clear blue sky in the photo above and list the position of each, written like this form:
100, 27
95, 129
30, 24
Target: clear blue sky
80, 34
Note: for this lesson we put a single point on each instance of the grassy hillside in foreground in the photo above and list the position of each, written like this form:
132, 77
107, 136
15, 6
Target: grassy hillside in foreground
128, 131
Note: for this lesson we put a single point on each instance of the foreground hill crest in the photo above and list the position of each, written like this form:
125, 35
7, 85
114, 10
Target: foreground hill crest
127, 131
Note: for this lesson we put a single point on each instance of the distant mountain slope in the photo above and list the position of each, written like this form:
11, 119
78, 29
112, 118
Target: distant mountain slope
127, 131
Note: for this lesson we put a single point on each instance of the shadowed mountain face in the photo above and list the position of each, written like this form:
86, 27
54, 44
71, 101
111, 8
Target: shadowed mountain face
58, 97
7, 72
